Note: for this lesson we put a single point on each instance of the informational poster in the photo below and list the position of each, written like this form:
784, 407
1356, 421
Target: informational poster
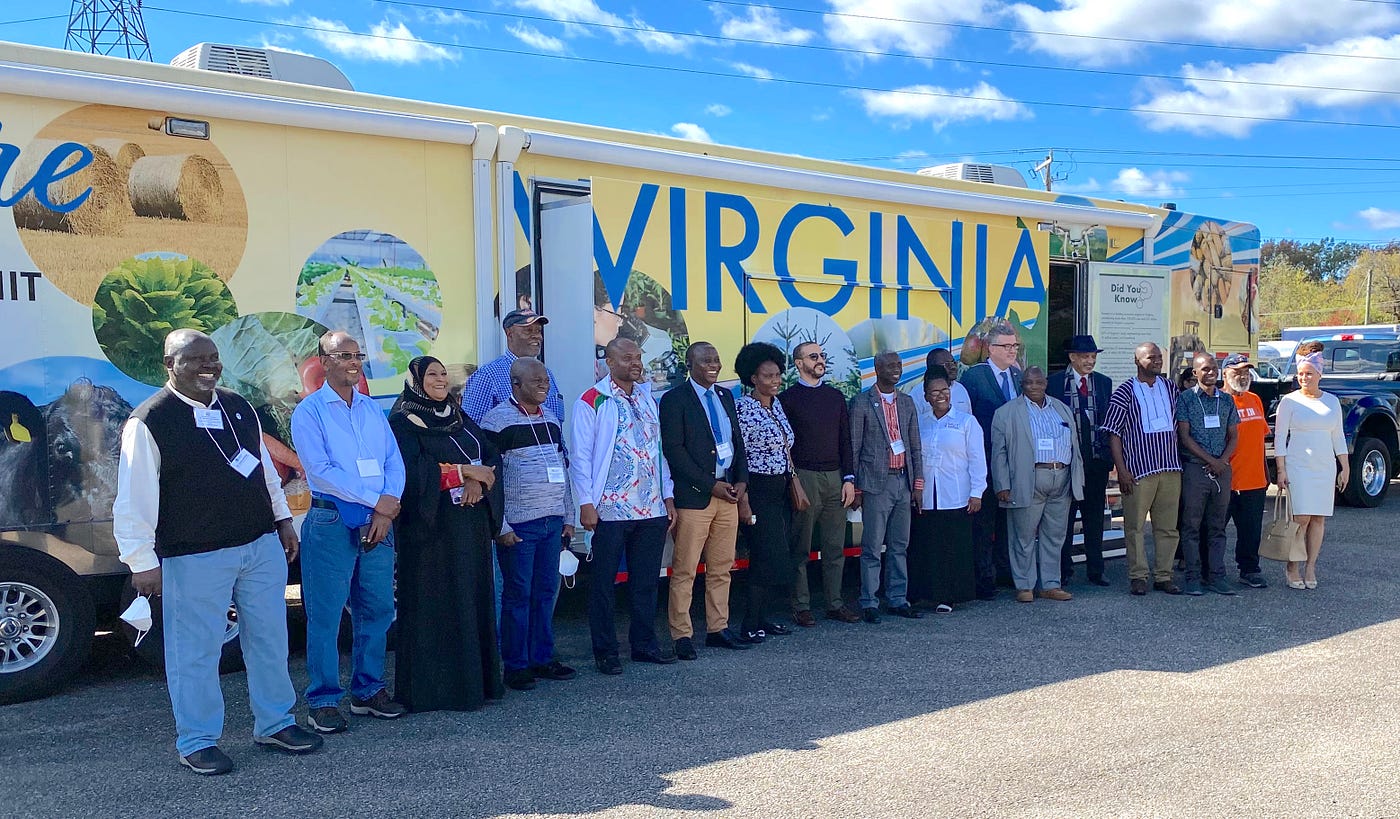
1127, 306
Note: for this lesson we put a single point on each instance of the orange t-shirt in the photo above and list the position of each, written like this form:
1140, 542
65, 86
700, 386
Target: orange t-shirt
1247, 464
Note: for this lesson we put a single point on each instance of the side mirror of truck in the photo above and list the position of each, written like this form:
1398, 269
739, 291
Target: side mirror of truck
1392, 362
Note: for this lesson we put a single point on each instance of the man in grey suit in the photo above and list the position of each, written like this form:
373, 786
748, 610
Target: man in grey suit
889, 476
1037, 473
989, 385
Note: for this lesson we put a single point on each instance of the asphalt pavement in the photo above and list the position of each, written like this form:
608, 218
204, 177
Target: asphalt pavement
1274, 702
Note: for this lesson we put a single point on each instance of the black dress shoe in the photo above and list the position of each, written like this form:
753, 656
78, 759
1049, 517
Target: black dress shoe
907, 612
653, 657
725, 639
521, 679
1167, 586
208, 761
1137, 587
555, 670
609, 664
1099, 581
685, 649
870, 615
752, 636
776, 630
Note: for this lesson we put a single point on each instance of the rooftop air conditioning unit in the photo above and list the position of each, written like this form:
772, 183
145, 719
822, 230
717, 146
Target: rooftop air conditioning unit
977, 172
267, 63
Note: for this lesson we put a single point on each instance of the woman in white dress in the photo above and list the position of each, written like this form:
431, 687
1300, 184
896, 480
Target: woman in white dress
1310, 446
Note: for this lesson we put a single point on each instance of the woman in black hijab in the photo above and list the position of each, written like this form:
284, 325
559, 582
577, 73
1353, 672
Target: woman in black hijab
447, 656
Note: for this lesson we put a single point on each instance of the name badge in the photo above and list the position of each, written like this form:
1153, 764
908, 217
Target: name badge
1212, 421
724, 451
556, 474
369, 468
244, 462
1045, 444
897, 447
208, 418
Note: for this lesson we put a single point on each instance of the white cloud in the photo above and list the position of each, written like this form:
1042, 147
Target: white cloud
942, 106
536, 39
763, 24
1133, 182
883, 25
589, 12
1252, 23
447, 17
386, 42
1288, 92
270, 46
1378, 219
913, 154
718, 109
752, 71
689, 130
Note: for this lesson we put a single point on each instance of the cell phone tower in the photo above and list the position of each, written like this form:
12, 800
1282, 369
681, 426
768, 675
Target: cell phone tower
111, 27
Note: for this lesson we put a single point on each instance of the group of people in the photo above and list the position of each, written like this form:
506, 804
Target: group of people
966, 483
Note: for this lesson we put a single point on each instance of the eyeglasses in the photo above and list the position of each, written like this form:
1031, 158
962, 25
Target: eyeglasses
346, 356
815, 356
1011, 346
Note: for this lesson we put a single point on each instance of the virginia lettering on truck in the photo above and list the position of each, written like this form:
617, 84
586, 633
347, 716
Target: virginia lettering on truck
138, 198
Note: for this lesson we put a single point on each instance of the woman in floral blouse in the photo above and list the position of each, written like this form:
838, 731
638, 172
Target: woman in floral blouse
765, 511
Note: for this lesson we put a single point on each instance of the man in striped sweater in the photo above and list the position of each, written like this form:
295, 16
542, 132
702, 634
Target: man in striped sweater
539, 523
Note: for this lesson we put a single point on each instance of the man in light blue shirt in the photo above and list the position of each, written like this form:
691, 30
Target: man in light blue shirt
356, 474
490, 385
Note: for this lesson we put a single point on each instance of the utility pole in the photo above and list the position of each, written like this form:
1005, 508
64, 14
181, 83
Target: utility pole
1044, 167
110, 27
1369, 270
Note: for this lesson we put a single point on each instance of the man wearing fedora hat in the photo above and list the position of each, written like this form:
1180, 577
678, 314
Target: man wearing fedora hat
1087, 393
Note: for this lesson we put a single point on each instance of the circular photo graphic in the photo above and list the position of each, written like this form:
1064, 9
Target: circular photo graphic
378, 289
647, 317
792, 327
146, 297
139, 187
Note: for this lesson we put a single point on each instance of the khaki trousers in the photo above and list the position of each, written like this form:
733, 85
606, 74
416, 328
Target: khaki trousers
1157, 494
709, 533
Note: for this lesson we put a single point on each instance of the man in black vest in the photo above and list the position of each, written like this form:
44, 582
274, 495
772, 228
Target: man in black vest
201, 520
1086, 393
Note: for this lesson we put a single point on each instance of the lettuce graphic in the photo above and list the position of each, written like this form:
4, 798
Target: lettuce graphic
262, 354
143, 300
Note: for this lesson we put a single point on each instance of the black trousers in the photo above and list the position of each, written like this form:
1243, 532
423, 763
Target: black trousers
990, 551
1247, 512
643, 542
1091, 510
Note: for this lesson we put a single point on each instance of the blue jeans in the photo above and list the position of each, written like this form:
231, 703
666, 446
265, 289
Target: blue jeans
196, 592
530, 568
335, 569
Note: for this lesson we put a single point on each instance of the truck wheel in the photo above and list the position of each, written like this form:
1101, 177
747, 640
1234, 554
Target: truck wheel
1370, 474
152, 648
46, 624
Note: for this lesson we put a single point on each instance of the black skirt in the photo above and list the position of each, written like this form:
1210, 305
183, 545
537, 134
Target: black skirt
940, 557
770, 558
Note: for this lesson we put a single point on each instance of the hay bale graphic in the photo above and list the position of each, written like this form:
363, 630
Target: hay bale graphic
104, 213
122, 152
178, 186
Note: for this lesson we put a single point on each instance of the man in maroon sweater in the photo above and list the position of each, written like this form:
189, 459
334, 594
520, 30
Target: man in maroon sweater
821, 424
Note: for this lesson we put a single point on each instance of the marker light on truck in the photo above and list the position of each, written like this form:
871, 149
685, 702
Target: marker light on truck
1348, 337
192, 128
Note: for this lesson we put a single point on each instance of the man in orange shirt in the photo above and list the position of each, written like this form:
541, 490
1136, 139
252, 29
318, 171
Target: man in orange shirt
1249, 483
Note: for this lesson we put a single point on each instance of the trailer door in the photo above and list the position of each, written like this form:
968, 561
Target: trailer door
563, 282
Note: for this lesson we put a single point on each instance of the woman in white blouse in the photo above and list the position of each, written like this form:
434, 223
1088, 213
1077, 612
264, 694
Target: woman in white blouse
1310, 448
941, 570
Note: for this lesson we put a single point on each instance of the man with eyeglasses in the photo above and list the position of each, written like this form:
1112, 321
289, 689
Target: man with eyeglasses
991, 384
821, 455
356, 475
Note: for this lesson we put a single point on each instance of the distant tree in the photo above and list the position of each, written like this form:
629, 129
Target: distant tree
1289, 296
1323, 260
1383, 267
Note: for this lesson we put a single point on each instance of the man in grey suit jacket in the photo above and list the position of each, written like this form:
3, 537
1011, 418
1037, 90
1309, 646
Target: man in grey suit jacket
989, 385
889, 476
1037, 473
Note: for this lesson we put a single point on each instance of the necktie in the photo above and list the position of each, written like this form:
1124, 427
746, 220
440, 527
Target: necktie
1086, 435
714, 415
1006, 385
1083, 388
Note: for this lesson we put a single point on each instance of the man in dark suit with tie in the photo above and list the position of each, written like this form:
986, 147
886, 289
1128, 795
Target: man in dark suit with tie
1086, 393
701, 441
991, 384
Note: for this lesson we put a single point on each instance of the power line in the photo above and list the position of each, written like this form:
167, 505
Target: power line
783, 80
33, 20
1005, 30
873, 53
1133, 152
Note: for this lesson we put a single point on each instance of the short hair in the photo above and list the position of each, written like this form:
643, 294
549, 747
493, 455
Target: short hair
1033, 371
1001, 328
797, 351
1309, 347
751, 355
328, 338
523, 366
693, 348
1186, 374
616, 344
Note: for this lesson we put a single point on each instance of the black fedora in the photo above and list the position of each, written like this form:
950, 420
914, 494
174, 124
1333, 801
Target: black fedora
1081, 344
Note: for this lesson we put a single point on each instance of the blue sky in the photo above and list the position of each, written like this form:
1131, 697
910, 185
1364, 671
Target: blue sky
1212, 104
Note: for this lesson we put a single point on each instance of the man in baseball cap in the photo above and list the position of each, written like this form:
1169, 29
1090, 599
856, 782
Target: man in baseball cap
1249, 482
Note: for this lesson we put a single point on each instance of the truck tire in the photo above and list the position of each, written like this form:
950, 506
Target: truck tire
46, 624
1370, 474
152, 649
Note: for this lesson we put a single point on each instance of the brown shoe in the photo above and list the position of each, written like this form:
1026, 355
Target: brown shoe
804, 619
1024, 596
1056, 594
843, 614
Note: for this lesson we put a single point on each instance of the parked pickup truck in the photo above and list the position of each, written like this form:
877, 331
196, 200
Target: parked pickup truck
1364, 373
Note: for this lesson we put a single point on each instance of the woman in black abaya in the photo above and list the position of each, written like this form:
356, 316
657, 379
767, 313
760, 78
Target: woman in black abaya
447, 657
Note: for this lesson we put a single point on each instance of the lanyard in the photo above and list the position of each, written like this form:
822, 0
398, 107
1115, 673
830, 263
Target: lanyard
237, 445
470, 460
553, 451
1203, 404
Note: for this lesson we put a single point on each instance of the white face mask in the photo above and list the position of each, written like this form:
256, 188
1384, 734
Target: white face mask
138, 616
568, 567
